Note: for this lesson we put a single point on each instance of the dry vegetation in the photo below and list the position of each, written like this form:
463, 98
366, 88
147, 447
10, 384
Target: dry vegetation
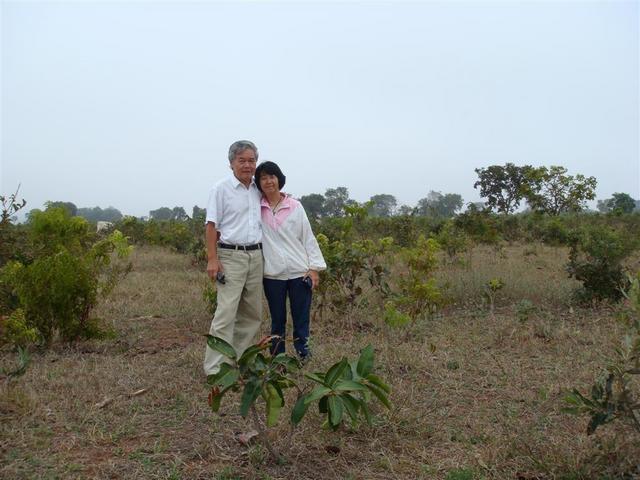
475, 395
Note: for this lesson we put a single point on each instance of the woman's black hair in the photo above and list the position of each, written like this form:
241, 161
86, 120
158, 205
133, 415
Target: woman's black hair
270, 168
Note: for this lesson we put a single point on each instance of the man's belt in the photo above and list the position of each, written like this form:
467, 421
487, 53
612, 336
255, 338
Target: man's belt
257, 246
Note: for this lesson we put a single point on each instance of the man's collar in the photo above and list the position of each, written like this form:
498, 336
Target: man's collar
237, 182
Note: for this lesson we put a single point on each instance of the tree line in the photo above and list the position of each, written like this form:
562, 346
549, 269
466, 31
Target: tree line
503, 188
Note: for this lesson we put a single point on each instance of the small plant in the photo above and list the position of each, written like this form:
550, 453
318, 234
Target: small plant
210, 297
614, 395
524, 309
452, 240
491, 288
342, 392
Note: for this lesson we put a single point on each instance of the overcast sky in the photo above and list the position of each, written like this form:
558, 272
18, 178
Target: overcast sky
134, 104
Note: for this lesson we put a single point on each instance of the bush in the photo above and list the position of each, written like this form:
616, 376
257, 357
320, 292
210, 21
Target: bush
58, 290
595, 259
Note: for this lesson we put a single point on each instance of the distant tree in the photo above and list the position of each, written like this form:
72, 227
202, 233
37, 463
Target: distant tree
314, 205
68, 206
382, 205
553, 192
435, 204
335, 199
620, 203
97, 214
162, 213
504, 187
405, 210
198, 214
179, 214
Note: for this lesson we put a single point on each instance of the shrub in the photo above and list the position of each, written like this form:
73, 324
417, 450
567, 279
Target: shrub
58, 290
595, 259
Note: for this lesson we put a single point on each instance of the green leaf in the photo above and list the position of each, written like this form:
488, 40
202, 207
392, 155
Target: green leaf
221, 346
335, 410
380, 395
365, 362
249, 354
299, 410
251, 391
335, 371
349, 386
316, 377
367, 413
352, 406
225, 378
274, 404
215, 401
317, 393
377, 381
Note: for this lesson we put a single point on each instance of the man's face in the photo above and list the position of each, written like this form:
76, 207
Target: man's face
244, 165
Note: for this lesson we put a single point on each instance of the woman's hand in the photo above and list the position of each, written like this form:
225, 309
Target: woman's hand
315, 278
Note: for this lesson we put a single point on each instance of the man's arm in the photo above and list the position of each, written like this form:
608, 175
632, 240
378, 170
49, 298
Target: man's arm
213, 264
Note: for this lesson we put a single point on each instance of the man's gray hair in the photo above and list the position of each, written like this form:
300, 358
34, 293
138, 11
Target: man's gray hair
241, 146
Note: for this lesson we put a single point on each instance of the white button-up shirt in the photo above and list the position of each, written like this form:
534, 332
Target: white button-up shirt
235, 210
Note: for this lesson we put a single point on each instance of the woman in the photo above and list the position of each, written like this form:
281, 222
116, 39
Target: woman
292, 259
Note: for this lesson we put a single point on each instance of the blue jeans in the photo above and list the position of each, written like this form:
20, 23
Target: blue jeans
299, 294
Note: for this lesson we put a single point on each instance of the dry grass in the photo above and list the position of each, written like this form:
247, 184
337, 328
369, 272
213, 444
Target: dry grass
474, 395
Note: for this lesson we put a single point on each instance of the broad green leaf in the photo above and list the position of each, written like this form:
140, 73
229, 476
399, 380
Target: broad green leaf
377, 381
274, 404
351, 405
215, 401
335, 371
251, 391
317, 393
249, 354
380, 395
225, 378
299, 410
316, 377
365, 362
335, 410
349, 386
221, 346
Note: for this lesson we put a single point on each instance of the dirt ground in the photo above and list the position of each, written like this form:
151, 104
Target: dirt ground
474, 395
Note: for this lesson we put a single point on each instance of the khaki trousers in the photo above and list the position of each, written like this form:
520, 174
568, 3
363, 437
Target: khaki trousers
239, 311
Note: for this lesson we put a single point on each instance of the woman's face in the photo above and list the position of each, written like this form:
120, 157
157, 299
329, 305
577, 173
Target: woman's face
269, 183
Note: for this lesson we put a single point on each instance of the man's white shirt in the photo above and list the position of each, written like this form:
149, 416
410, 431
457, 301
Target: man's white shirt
235, 210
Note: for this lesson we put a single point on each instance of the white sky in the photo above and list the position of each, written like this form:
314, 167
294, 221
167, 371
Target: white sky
134, 104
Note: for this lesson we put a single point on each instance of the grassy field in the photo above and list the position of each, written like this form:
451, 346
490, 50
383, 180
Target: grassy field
475, 395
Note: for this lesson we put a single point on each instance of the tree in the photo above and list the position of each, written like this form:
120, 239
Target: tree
179, 214
504, 187
198, 213
553, 192
68, 206
383, 205
162, 213
435, 204
335, 199
619, 203
313, 205
97, 214
405, 210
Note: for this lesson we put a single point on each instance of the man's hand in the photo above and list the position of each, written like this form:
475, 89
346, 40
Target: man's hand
315, 278
213, 267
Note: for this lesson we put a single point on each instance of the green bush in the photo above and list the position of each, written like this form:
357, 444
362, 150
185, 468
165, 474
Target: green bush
595, 259
57, 291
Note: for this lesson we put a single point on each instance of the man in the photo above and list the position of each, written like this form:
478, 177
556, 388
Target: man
233, 235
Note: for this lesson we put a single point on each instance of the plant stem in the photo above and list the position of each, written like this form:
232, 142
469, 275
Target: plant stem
264, 438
